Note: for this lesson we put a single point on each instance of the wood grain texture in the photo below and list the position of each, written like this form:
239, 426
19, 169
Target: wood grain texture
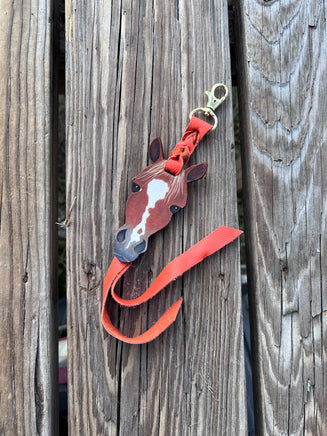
28, 312
134, 71
284, 99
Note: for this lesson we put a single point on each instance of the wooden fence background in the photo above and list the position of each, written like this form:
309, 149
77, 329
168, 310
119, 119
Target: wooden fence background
134, 70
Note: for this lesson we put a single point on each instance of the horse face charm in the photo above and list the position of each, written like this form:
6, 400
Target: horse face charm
156, 196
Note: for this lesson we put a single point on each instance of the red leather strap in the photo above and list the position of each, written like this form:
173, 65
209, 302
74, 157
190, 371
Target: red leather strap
207, 246
183, 150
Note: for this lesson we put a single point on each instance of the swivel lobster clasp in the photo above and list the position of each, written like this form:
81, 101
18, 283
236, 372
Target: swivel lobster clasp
213, 103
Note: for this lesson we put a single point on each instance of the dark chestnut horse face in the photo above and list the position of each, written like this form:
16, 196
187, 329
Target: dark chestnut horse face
156, 196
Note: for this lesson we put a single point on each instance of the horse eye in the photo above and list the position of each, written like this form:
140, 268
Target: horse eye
174, 209
135, 187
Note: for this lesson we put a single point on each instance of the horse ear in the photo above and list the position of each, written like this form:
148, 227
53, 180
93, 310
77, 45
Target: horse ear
155, 151
196, 172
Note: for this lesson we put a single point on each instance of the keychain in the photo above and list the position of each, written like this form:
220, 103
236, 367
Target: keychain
159, 192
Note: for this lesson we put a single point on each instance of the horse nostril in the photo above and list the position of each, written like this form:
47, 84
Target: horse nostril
121, 235
140, 247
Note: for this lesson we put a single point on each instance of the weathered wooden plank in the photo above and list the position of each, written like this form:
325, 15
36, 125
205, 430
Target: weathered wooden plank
134, 71
28, 314
284, 99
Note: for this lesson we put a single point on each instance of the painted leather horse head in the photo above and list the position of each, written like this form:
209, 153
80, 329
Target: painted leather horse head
156, 196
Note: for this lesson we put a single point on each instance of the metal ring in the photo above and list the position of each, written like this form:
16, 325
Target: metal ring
208, 113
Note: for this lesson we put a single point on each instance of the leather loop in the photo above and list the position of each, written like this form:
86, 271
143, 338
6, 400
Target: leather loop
204, 248
183, 150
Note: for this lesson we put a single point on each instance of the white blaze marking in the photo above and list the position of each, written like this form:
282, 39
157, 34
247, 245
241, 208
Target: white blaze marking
156, 190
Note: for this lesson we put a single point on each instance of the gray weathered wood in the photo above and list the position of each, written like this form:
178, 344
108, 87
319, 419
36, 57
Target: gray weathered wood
28, 315
284, 102
134, 71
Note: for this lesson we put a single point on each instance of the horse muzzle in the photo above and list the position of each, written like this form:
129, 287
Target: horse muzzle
126, 248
